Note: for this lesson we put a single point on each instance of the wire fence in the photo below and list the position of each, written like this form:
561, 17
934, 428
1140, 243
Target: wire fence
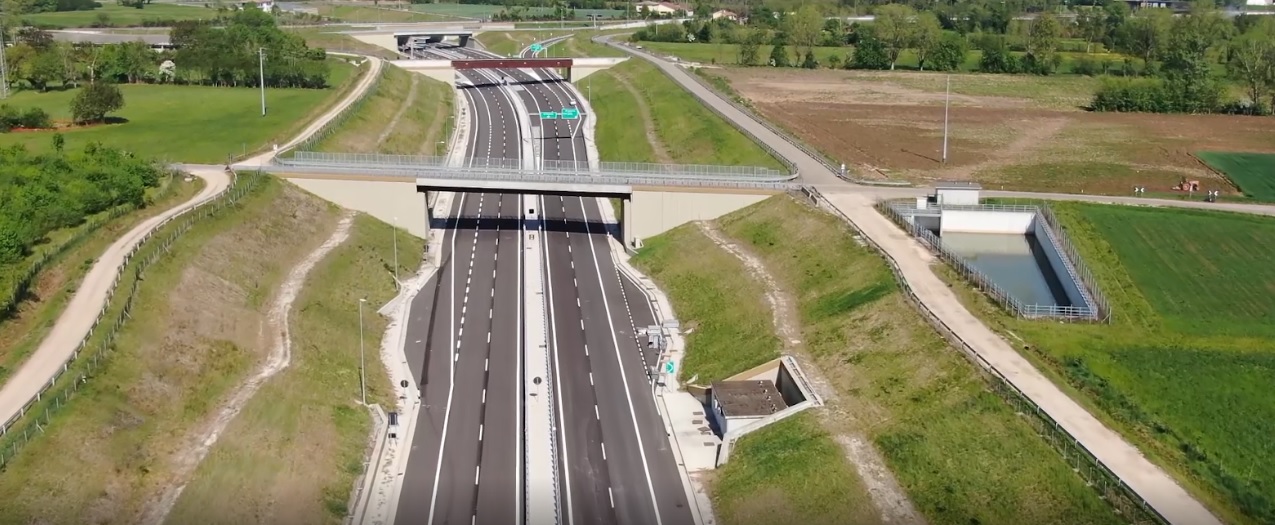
332, 126
1109, 486
1095, 307
18, 289
97, 347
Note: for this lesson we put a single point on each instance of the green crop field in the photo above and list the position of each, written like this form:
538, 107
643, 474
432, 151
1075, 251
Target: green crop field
119, 16
1253, 173
188, 123
1186, 369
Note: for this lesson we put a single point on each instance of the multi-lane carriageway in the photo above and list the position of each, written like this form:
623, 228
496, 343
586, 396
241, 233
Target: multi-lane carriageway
465, 339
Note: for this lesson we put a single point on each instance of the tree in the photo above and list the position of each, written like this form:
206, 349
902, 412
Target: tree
894, 28
803, 28
59, 142
1042, 43
871, 53
809, 62
94, 101
750, 40
779, 55
1252, 62
1145, 34
949, 54
1092, 25
1187, 69
927, 36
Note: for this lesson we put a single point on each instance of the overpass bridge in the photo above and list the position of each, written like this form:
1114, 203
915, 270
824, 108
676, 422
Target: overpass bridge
572, 69
653, 197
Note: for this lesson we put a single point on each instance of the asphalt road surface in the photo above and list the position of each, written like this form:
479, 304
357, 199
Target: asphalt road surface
617, 467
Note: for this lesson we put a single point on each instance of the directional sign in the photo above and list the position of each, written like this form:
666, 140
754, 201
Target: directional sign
536, 48
548, 115
570, 113
670, 366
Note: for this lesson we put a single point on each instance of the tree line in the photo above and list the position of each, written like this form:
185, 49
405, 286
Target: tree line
206, 55
1167, 63
46, 192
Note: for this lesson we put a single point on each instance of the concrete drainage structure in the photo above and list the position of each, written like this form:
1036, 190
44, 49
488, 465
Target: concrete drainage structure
749, 401
1000, 247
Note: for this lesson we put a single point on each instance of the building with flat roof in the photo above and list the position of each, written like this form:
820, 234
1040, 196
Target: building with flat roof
738, 403
957, 193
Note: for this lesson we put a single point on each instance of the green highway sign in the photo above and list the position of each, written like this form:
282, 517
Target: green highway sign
548, 115
536, 48
670, 366
570, 113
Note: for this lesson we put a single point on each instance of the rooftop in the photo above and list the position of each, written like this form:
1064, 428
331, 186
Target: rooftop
957, 185
748, 398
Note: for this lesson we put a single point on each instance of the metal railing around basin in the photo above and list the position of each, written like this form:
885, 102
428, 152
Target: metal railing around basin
1096, 308
688, 171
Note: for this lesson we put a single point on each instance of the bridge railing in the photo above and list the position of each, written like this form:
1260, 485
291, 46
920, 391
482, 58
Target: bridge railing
474, 175
629, 168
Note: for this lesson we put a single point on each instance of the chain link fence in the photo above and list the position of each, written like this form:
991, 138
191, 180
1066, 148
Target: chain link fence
1127, 503
1096, 308
99, 344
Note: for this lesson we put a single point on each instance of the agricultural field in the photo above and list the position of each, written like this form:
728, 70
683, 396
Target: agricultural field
215, 121
952, 444
111, 14
1011, 132
1253, 173
1184, 370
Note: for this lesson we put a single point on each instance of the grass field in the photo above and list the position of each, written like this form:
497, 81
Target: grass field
298, 446
328, 38
961, 454
675, 126
1184, 371
1253, 173
111, 14
408, 114
486, 11
116, 445
189, 123
54, 287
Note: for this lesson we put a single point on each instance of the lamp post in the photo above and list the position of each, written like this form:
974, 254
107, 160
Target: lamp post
395, 228
362, 368
261, 69
947, 101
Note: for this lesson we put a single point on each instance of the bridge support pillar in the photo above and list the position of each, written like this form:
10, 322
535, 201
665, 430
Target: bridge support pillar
626, 224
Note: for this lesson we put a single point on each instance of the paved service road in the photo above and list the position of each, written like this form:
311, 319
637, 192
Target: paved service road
464, 344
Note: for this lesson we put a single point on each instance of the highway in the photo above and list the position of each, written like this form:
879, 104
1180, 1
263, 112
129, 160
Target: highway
615, 463
464, 345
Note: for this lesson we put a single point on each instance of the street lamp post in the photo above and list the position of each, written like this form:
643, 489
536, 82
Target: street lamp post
947, 101
362, 367
261, 69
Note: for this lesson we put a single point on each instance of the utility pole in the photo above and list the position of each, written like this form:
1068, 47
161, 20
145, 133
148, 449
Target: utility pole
947, 101
395, 228
4, 68
362, 367
261, 65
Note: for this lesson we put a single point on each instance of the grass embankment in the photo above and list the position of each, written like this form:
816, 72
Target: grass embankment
1184, 371
958, 450
330, 39
53, 288
457, 11
407, 114
1252, 173
190, 123
300, 443
199, 327
121, 16
362, 14
510, 43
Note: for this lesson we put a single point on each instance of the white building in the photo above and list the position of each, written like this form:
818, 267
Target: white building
1260, 3
663, 8
958, 193
264, 5
727, 14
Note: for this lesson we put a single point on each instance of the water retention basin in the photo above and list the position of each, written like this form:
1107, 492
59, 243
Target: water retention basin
1016, 254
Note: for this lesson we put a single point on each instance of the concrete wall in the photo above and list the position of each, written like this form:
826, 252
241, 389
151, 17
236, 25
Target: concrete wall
1055, 256
650, 213
385, 40
396, 203
958, 197
929, 222
788, 387
977, 221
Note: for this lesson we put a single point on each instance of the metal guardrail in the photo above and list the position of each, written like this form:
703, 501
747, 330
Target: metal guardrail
782, 133
562, 166
1095, 309
1119, 494
533, 177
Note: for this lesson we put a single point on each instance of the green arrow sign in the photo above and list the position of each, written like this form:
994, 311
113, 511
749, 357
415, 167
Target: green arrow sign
570, 113
670, 366
536, 48
548, 115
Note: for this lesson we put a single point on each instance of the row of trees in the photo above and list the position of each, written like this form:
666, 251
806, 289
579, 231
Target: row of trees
43, 193
223, 56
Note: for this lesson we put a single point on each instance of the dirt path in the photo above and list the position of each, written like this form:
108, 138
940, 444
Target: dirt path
648, 123
200, 442
891, 502
402, 108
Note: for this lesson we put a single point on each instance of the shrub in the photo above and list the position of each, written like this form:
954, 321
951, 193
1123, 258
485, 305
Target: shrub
1132, 95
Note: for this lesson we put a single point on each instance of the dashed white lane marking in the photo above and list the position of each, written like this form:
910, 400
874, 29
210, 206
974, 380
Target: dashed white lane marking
477, 469
484, 396
590, 378
612, 496
480, 431
604, 451
596, 414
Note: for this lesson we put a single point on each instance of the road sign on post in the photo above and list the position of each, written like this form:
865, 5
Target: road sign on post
570, 113
670, 366
548, 115
536, 48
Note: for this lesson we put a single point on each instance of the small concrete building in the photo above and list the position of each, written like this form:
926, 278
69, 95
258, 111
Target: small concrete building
736, 404
957, 193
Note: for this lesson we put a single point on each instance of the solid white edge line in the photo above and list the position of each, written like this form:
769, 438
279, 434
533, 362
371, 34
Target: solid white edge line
451, 383
557, 371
